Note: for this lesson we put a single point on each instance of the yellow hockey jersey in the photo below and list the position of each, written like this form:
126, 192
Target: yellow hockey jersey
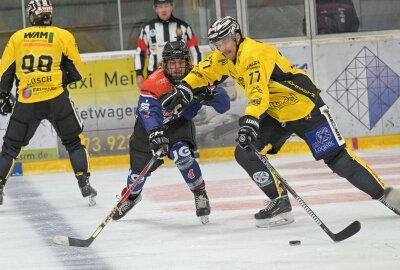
42, 60
271, 84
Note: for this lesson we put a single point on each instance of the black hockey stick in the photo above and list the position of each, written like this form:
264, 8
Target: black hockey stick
70, 241
347, 232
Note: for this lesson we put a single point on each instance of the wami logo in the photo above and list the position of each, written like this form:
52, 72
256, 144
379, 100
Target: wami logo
40, 35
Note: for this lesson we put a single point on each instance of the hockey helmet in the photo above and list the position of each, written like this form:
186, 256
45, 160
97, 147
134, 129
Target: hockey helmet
221, 29
41, 10
157, 2
176, 50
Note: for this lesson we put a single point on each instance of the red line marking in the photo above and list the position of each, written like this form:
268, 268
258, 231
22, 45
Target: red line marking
258, 205
354, 143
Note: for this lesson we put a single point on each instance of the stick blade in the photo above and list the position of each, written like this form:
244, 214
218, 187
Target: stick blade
347, 232
61, 240
70, 241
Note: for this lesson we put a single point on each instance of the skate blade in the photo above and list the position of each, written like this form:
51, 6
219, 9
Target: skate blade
91, 200
204, 219
279, 220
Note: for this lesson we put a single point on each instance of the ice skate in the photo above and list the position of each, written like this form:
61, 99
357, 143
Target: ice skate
391, 199
277, 213
86, 189
126, 205
202, 206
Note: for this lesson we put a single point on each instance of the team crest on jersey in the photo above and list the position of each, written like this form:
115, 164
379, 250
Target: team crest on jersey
153, 48
152, 32
179, 32
145, 106
27, 93
286, 101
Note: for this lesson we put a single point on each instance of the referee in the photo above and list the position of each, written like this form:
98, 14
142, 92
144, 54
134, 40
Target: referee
156, 33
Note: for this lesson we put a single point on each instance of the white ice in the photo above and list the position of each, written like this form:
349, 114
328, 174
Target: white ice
162, 232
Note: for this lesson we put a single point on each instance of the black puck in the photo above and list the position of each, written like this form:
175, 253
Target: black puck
295, 242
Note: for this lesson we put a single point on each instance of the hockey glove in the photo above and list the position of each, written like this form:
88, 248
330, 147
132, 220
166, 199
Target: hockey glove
180, 96
158, 142
6, 104
203, 94
248, 131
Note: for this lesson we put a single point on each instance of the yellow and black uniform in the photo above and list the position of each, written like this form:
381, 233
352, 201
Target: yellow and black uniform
285, 101
268, 78
42, 60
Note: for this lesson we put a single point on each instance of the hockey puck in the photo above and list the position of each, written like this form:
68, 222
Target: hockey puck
295, 242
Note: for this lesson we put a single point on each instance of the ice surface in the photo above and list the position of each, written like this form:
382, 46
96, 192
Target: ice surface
163, 232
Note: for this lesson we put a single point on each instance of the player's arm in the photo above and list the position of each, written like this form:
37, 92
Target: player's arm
7, 67
210, 71
149, 110
220, 100
71, 59
150, 114
141, 51
193, 45
215, 97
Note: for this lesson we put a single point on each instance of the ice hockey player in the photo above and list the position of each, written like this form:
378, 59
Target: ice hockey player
43, 59
171, 132
281, 101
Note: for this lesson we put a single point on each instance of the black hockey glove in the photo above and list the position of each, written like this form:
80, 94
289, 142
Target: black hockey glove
248, 131
6, 104
178, 98
158, 142
203, 94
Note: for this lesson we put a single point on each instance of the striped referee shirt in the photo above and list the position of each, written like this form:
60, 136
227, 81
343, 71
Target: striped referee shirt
153, 37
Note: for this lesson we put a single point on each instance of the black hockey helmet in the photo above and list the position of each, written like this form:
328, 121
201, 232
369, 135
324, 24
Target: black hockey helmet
41, 10
222, 28
176, 50
156, 2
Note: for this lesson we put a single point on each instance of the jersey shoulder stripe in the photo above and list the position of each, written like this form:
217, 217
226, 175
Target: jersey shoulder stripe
156, 84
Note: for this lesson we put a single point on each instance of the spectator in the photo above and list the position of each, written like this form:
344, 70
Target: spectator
156, 33
336, 16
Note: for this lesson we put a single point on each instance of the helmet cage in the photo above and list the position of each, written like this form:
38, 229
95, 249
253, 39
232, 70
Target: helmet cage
172, 51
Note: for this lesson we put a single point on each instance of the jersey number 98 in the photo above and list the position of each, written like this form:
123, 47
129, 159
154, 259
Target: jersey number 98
44, 63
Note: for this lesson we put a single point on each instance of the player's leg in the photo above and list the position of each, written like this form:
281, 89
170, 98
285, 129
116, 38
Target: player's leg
183, 145
21, 127
140, 155
347, 165
326, 142
69, 127
278, 209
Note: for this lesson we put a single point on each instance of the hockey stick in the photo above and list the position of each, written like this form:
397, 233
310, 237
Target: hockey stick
347, 232
71, 241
